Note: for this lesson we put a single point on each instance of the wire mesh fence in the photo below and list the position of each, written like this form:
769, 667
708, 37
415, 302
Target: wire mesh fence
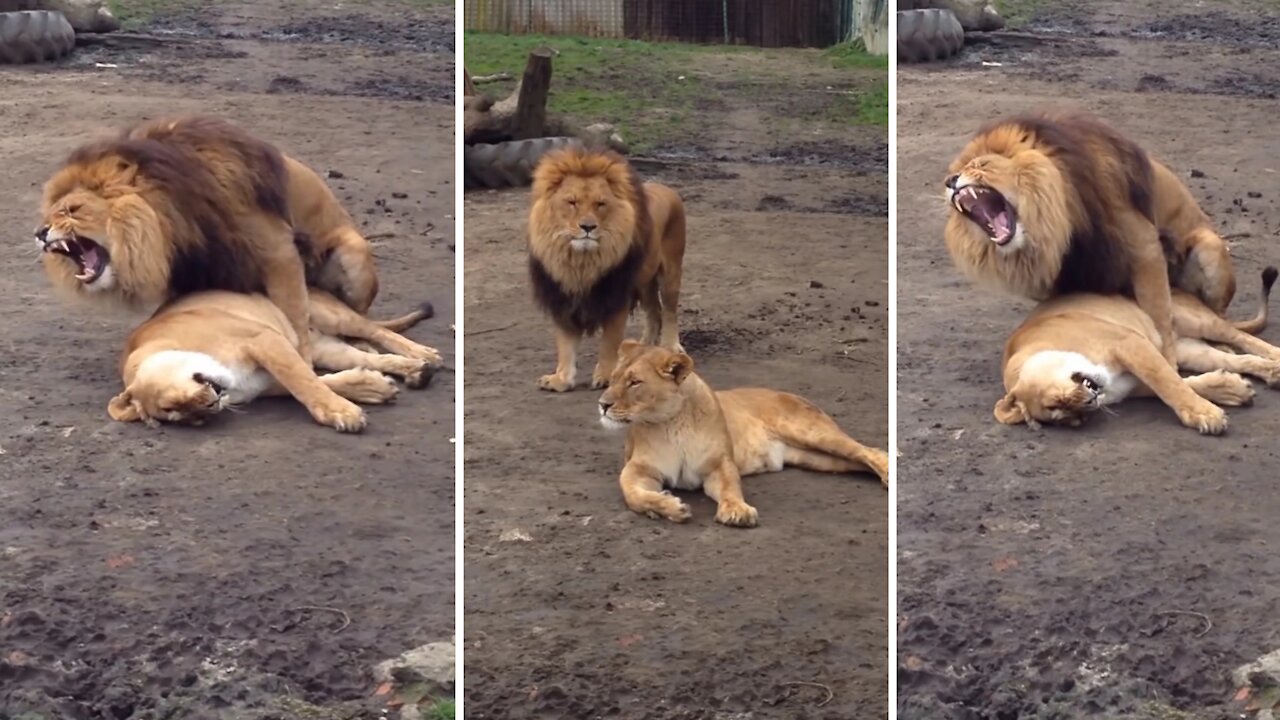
762, 23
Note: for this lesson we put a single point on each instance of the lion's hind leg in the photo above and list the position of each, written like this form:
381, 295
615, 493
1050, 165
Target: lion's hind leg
332, 353
331, 317
1207, 272
1199, 356
815, 442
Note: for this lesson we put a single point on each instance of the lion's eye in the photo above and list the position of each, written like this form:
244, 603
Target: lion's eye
600, 205
573, 203
73, 209
634, 382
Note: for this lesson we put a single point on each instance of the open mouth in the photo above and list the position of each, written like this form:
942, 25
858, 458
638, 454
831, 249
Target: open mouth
987, 207
91, 257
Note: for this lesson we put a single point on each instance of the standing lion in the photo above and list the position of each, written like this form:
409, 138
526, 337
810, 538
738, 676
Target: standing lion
176, 206
600, 241
1054, 203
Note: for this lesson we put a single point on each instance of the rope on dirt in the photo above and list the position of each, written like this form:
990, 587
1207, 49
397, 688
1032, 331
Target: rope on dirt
346, 619
820, 686
1208, 624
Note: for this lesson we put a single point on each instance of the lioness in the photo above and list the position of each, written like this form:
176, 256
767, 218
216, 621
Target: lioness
214, 350
1079, 353
681, 434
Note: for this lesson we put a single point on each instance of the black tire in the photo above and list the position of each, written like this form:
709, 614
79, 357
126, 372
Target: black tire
928, 35
34, 36
508, 164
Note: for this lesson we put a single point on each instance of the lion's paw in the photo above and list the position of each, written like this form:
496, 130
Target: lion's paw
1208, 419
879, 463
736, 513
1230, 389
341, 415
555, 383
666, 506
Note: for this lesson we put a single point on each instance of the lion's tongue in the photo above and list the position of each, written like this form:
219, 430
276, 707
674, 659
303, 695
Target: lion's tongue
997, 223
89, 260
1002, 232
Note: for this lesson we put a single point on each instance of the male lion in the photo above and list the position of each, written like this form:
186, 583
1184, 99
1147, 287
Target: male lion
681, 434
599, 242
1050, 204
1079, 353
181, 205
213, 350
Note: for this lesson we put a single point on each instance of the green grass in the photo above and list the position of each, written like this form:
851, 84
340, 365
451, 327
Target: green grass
659, 93
136, 13
1017, 13
634, 85
854, 55
441, 710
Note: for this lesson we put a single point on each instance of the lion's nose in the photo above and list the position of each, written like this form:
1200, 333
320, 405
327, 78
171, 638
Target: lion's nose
604, 406
588, 227
42, 234
951, 181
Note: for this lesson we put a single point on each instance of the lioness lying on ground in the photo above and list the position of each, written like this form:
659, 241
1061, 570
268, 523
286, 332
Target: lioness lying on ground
1079, 353
683, 435
210, 351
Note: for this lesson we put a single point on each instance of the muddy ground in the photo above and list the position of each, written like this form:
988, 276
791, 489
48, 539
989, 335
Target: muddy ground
576, 607
1123, 569
162, 573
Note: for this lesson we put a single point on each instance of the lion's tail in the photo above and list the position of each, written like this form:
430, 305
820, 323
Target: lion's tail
1255, 324
404, 322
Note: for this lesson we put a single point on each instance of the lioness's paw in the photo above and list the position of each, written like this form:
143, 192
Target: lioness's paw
1269, 372
1208, 419
879, 464
427, 354
1231, 389
736, 514
369, 387
555, 383
419, 378
671, 508
341, 415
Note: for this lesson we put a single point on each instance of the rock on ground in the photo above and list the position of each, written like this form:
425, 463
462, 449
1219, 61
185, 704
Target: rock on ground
431, 663
87, 16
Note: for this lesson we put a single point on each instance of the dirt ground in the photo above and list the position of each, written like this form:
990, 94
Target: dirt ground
576, 607
162, 573
1121, 570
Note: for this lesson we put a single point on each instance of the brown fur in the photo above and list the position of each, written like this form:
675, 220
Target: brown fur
682, 434
633, 253
1112, 333
1096, 215
189, 204
212, 350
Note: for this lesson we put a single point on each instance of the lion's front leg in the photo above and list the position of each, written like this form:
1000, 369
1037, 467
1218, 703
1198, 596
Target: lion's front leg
285, 281
1151, 282
1146, 363
611, 335
566, 375
642, 491
724, 485
277, 356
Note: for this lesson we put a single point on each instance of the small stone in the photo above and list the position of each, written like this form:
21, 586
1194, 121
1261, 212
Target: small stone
335, 174
1197, 173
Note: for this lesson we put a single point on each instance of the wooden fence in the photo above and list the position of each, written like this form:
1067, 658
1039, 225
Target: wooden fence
762, 23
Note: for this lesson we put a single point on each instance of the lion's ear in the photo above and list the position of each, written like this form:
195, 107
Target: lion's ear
123, 408
677, 366
1009, 411
629, 348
